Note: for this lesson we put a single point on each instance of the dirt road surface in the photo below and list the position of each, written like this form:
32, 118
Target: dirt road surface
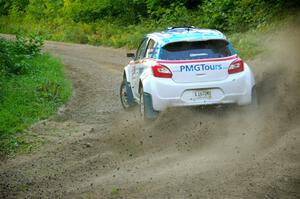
93, 149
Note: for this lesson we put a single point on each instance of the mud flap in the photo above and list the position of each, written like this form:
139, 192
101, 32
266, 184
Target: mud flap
150, 113
254, 97
130, 99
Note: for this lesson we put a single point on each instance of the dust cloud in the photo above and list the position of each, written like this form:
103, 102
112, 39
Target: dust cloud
220, 150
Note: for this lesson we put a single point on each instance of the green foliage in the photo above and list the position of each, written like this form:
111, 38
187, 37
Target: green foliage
174, 14
44, 9
237, 16
32, 86
30, 45
14, 8
225, 15
13, 55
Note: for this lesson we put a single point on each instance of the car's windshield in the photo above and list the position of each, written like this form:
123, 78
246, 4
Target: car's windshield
197, 50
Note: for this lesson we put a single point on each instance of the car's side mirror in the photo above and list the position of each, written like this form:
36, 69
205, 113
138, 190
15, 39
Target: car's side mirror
131, 55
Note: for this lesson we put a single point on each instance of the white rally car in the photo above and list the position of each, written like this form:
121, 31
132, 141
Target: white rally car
185, 66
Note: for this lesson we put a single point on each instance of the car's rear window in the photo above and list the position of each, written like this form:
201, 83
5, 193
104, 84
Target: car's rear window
197, 50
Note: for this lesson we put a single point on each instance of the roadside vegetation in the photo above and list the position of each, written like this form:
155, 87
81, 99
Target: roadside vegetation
32, 86
121, 23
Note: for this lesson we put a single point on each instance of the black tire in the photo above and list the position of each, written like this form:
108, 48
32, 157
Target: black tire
125, 101
146, 108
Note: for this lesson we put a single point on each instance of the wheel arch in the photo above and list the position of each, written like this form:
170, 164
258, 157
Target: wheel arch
250, 76
146, 84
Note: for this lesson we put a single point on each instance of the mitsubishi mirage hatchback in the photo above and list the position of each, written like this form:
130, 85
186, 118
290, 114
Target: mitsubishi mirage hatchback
185, 66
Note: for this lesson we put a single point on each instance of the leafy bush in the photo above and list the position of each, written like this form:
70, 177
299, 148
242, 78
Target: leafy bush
30, 45
230, 15
13, 55
16, 7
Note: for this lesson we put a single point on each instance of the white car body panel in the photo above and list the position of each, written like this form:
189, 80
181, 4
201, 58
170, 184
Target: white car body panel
190, 80
236, 89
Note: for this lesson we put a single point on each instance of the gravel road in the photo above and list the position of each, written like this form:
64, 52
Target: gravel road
94, 149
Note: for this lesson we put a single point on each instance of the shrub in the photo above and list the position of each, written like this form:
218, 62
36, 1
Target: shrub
29, 46
13, 55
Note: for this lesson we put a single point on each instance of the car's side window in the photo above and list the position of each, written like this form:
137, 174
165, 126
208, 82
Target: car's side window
150, 48
140, 53
155, 51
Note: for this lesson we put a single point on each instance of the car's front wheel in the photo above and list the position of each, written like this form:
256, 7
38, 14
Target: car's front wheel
125, 95
146, 108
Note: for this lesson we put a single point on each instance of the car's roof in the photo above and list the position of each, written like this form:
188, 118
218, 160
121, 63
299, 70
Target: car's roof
185, 34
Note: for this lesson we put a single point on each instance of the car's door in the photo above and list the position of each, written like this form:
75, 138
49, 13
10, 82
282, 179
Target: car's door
137, 65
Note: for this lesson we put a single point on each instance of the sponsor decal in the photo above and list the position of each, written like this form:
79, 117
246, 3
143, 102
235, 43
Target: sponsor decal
200, 67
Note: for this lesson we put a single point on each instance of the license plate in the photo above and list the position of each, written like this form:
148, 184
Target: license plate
202, 94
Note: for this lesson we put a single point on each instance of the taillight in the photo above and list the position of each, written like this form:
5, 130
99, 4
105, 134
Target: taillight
236, 66
161, 71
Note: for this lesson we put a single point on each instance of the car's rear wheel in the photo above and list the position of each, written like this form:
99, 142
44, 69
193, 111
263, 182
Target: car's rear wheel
146, 108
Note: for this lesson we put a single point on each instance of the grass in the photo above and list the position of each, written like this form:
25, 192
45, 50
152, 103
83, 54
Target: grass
29, 98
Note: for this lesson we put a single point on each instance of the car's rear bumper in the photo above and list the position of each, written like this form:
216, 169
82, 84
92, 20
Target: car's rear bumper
236, 89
